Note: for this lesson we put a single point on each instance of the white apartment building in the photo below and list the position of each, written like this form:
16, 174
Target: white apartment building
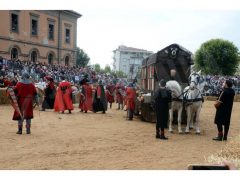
129, 60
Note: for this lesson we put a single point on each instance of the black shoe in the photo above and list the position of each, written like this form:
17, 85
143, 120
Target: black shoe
163, 138
224, 138
69, 111
19, 131
104, 112
158, 136
218, 138
130, 119
85, 111
28, 131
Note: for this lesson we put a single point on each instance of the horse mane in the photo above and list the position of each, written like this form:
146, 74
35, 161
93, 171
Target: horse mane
175, 87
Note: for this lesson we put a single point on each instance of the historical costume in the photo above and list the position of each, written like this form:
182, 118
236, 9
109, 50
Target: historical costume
110, 94
25, 92
50, 92
224, 106
99, 102
85, 103
63, 98
162, 98
130, 98
119, 95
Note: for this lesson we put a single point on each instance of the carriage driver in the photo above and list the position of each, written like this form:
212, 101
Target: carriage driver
162, 98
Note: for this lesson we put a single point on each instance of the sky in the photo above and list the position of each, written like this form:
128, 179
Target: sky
150, 24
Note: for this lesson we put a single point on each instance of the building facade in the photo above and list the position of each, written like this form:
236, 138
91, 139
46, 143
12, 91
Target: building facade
39, 36
129, 60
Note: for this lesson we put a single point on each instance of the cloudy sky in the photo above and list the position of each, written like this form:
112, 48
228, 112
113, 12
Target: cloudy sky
148, 24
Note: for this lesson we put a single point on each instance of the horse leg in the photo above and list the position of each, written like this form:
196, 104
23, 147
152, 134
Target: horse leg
170, 120
179, 120
191, 121
197, 121
188, 119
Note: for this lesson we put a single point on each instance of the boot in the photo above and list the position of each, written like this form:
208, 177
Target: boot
157, 133
162, 136
219, 137
69, 111
224, 138
28, 129
19, 129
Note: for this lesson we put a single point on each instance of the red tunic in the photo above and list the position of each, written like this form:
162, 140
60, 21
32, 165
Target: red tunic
63, 100
86, 98
25, 94
131, 95
109, 93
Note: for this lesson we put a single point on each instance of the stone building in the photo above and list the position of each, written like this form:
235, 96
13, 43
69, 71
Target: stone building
39, 36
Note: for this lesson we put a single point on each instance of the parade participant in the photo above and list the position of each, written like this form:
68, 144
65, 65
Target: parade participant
162, 98
119, 95
1, 82
130, 98
25, 92
63, 98
99, 102
224, 110
49, 92
110, 93
85, 103
7, 82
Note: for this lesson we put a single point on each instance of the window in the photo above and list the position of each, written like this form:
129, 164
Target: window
67, 33
34, 56
14, 18
34, 27
50, 58
50, 31
67, 61
14, 54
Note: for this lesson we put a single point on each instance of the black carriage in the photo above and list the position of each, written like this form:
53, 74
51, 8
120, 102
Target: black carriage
157, 67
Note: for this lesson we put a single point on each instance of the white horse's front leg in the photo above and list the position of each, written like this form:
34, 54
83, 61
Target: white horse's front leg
188, 119
180, 120
170, 120
198, 121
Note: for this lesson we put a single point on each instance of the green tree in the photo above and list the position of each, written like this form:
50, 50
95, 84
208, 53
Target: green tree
97, 67
82, 58
107, 69
120, 74
217, 56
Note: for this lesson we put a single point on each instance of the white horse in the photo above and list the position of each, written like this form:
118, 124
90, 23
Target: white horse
194, 100
177, 105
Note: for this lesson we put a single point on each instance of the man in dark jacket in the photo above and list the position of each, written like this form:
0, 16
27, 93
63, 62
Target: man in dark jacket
162, 98
224, 111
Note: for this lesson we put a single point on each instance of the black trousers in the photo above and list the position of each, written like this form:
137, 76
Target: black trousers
220, 129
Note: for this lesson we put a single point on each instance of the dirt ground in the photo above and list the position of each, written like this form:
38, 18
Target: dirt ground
105, 141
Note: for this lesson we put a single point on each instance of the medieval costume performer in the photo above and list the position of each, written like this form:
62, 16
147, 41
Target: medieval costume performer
85, 103
110, 93
119, 95
99, 102
63, 98
130, 98
49, 92
162, 98
224, 106
25, 92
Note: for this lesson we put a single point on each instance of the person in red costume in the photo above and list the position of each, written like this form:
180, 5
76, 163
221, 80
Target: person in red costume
25, 92
130, 98
63, 98
119, 95
110, 93
85, 103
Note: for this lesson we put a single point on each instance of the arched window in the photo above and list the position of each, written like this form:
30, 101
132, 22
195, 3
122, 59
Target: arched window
50, 58
14, 54
34, 56
67, 61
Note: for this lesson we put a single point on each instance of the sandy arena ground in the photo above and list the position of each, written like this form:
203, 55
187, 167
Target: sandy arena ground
105, 141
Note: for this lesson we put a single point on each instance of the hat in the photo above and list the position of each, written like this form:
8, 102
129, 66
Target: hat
49, 78
162, 83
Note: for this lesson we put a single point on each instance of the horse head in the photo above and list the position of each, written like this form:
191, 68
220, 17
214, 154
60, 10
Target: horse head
194, 80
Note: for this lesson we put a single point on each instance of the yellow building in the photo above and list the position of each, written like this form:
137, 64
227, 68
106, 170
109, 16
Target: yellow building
39, 36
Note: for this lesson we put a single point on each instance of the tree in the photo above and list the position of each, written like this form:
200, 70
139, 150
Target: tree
217, 56
120, 74
82, 58
97, 67
107, 69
